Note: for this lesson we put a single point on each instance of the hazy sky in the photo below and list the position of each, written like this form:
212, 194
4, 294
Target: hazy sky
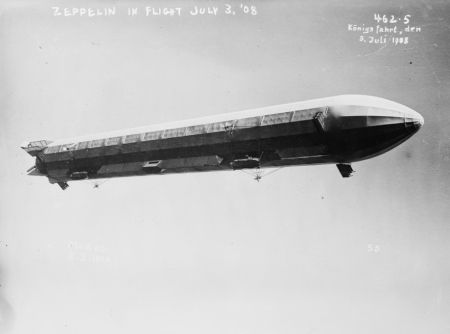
303, 251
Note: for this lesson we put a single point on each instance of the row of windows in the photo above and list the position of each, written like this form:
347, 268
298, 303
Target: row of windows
179, 132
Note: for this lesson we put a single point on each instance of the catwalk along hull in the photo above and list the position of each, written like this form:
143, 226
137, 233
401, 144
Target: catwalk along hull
338, 130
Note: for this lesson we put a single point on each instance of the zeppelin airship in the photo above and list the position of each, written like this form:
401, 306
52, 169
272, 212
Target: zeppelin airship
337, 130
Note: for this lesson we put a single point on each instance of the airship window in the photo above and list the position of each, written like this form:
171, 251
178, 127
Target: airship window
180, 132
170, 133
195, 130
152, 135
112, 141
67, 147
277, 118
301, 115
83, 145
217, 127
248, 122
131, 138
95, 143
39, 143
52, 149
221, 126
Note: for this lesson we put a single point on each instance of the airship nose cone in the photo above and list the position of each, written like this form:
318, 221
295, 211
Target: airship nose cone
419, 121
415, 117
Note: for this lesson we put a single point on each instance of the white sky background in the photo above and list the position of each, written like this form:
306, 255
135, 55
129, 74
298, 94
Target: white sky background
218, 252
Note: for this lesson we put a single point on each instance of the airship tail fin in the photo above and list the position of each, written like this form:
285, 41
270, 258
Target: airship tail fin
34, 147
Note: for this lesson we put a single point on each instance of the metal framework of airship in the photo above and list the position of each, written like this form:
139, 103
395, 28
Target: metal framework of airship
336, 130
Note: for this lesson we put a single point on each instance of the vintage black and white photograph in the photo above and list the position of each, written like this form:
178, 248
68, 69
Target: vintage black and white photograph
225, 166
